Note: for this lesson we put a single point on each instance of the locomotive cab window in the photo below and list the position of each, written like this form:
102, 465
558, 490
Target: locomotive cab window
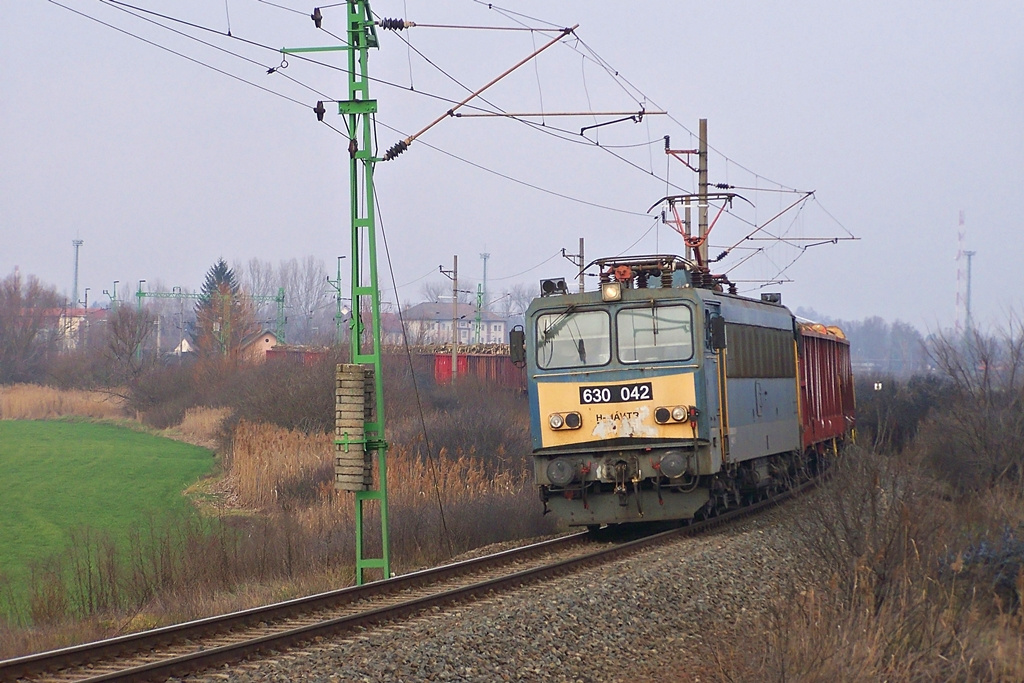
573, 339
652, 334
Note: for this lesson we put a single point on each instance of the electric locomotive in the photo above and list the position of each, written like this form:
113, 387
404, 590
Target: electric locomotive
664, 395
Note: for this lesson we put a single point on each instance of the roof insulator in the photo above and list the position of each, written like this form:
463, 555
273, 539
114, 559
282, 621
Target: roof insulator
395, 150
393, 24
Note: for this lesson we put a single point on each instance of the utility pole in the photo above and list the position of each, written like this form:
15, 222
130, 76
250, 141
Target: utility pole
139, 295
358, 111
478, 321
181, 321
702, 189
577, 260
485, 257
339, 323
113, 297
453, 275
74, 285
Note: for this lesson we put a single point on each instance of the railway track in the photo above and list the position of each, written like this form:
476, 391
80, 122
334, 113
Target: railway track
198, 645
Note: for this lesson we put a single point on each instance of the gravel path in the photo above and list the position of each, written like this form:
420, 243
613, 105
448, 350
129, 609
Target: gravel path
647, 617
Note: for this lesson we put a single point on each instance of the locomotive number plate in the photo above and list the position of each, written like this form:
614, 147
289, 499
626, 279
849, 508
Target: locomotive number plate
616, 393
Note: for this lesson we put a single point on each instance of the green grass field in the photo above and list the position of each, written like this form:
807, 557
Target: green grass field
60, 475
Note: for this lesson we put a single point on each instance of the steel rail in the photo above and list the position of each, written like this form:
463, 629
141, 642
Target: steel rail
78, 655
81, 655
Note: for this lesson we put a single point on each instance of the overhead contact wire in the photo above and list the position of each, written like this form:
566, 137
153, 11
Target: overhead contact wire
175, 52
517, 180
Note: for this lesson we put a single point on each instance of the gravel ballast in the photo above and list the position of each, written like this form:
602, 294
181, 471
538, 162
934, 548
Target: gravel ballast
647, 617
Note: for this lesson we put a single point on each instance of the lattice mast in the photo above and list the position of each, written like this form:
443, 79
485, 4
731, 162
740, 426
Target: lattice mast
964, 323
358, 111
365, 340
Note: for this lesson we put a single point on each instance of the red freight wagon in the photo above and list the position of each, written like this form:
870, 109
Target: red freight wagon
494, 369
826, 384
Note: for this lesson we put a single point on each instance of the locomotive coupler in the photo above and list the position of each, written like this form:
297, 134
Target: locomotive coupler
621, 477
639, 499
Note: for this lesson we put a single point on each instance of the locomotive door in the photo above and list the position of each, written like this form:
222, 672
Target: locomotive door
714, 388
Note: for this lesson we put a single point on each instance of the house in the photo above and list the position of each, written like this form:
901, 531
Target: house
431, 323
253, 348
184, 347
73, 325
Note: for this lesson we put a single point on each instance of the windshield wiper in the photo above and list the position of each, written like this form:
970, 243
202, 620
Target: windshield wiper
557, 324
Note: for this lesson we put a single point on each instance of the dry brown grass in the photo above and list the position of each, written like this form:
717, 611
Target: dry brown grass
910, 586
268, 464
438, 507
35, 402
200, 427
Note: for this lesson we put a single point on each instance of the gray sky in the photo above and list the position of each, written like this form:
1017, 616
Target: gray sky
898, 114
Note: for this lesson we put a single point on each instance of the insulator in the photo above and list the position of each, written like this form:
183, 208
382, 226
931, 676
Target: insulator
319, 111
316, 17
395, 150
392, 24
724, 186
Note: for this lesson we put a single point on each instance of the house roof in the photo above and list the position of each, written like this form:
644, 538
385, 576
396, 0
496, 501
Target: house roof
252, 338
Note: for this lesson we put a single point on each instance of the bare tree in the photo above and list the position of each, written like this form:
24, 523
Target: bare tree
520, 297
29, 326
433, 291
308, 295
986, 422
259, 279
127, 330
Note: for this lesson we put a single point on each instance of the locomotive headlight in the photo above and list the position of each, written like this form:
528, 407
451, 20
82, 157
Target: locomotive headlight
673, 464
664, 415
573, 420
611, 291
556, 421
561, 472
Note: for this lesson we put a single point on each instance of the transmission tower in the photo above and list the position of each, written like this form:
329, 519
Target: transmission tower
961, 277
74, 283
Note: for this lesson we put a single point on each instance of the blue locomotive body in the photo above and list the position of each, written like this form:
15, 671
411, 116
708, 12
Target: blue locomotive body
654, 399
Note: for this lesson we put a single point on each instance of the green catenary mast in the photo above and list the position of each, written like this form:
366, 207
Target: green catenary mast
358, 110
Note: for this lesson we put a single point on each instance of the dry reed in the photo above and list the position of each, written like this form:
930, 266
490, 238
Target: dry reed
200, 426
35, 402
265, 460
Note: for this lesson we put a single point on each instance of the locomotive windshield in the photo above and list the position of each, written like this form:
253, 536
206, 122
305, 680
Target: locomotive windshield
654, 334
572, 339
